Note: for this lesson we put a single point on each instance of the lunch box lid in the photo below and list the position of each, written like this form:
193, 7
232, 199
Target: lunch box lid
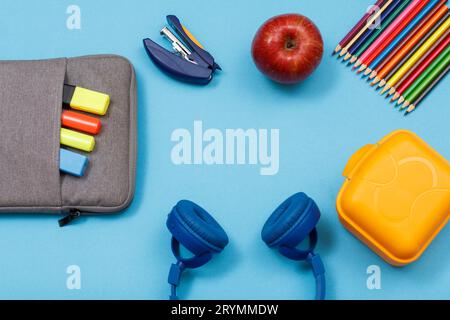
396, 197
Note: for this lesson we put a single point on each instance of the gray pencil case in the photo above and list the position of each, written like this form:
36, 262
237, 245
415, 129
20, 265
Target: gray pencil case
30, 122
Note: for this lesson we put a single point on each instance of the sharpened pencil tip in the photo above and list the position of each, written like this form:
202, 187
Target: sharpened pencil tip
384, 90
362, 68
373, 74
337, 49
347, 56
352, 60
405, 105
391, 92
357, 64
376, 80
382, 83
411, 109
367, 72
400, 101
344, 51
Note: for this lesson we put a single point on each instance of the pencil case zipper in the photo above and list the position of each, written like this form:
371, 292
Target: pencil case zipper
70, 217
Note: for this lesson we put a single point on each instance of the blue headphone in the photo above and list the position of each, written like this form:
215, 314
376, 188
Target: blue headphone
291, 223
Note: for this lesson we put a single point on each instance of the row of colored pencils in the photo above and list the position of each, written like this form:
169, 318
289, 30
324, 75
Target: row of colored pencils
403, 47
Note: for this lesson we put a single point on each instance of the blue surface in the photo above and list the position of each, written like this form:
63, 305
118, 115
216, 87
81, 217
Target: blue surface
322, 122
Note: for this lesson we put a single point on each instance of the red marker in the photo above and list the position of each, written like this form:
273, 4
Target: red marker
81, 122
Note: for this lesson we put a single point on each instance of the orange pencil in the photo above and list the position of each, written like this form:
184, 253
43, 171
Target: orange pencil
411, 44
407, 39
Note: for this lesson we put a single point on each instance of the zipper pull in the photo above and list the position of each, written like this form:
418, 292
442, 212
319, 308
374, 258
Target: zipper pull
73, 214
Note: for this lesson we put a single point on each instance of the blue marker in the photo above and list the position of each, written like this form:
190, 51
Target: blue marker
72, 163
403, 34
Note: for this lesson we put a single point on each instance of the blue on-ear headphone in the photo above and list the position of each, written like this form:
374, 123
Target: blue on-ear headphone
195, 229
289, 225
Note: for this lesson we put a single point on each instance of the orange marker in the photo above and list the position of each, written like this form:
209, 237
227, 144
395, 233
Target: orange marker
81, 122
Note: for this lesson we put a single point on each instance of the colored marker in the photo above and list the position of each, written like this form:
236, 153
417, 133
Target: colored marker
86, 100
80, 122
77, 140
72, 163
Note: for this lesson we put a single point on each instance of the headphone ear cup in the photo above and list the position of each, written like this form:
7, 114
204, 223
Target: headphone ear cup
291, 222
196, 229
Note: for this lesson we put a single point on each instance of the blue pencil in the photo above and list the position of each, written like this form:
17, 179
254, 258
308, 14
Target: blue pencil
370, 31
402, 35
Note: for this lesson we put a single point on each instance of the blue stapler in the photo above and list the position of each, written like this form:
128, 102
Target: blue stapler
190, 62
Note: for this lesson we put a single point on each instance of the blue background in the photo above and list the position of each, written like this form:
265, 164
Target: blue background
322, 122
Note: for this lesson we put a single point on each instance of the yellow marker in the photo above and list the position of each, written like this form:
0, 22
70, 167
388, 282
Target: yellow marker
77, 140
86, 100
420, 52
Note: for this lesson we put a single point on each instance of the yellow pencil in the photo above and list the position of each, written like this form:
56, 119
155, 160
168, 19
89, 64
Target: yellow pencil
366, 26
419, 53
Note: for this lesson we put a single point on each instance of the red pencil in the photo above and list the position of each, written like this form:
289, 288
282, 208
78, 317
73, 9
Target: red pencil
389, 35
422, 67
408, 38
357, 27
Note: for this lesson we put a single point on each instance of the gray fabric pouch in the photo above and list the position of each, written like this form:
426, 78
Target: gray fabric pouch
30, 122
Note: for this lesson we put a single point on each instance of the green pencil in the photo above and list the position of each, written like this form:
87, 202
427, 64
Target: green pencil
383, 26
427, 77
427, 91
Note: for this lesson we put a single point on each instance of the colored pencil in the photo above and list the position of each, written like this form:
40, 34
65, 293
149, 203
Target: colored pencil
396, 88
372, 30
391, 32
411, 53
409, 41
367, 25
419, 53
426, 79
430, 88
384, 24
356, 28
422, 13
422, 67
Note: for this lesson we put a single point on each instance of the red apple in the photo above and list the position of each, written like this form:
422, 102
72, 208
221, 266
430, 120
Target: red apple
287, 48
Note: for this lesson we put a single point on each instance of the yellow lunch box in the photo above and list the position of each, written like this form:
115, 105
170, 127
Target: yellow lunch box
396, 197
